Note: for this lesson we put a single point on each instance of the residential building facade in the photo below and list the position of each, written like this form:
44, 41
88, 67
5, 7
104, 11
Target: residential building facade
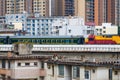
106, 29
41, 7
31, 6
59, 62
2, 20
72, 26
46, 26
15, 6
106, 11
56, 26
18, 20
39, 26
2, 8
65, 7
85, 9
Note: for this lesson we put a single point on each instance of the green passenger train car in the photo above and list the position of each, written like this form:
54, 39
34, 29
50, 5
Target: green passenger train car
43, 40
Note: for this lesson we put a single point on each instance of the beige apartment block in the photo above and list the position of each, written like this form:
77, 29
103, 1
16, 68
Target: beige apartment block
2, 7
30, 6
15, 6
85, 9
82, 8
41, 6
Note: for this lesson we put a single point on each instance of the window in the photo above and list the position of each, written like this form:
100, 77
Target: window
93, 70
46, 32
104, 27
91, 39
33, 25
110, 74
60, 26
27, 64
16, 16
76, 71
46, 28
33, 29
33, 21
87, 74
116, 72
104, 31
61, 70
35, 63
9, 64
33, 33
19, 64
3, 63
69, 31
49, 67
100, 29
42, 64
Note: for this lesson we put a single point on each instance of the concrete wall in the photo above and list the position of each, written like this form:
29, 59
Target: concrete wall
102, 73
95, 73
116, 74
56, 76
25, 72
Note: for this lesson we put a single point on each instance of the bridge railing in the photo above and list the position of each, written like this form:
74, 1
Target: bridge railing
99, 48
74, 48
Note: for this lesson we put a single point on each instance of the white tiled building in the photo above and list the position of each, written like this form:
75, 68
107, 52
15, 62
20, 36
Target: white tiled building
106, 29
68, 26
18, 20
56, 26
39, 26
48, 26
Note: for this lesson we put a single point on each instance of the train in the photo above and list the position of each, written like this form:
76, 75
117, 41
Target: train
68, 40
103, 39
42, 39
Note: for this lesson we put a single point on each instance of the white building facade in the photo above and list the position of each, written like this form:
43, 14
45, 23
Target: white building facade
106, 29
56, 26
35, 25
68, 26
39, 26
18, 20
72, 71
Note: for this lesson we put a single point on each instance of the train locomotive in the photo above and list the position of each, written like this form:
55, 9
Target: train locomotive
103, 39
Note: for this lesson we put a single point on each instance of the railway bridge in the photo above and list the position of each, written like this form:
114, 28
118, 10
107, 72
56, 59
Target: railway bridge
77, 52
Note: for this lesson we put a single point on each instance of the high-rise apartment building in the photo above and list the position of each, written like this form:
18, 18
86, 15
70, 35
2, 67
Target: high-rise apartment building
41, 6
2, 7
117, 12
15, 6
107, 11
30, 6
85, 9
65, 7
98, 11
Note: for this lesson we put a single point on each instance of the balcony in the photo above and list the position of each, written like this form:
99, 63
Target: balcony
42, 72
5, 72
